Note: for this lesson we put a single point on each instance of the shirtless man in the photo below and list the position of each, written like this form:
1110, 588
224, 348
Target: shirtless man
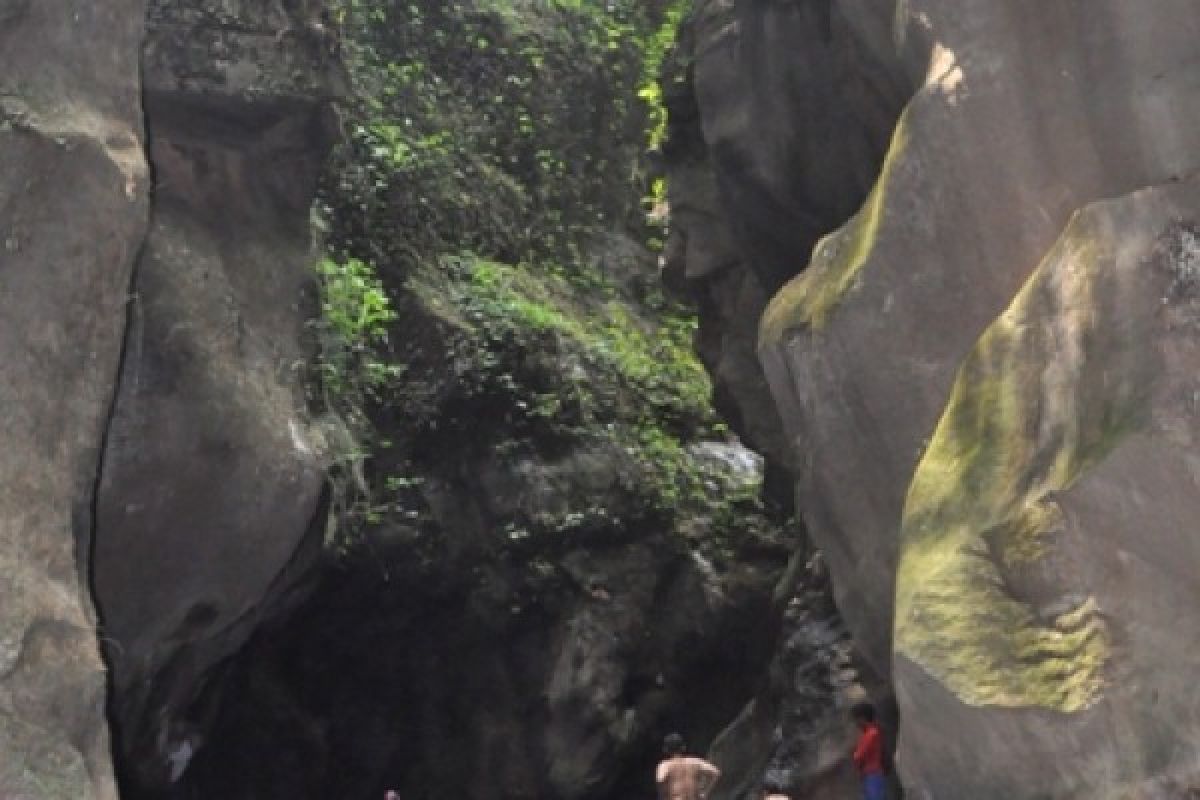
683, 777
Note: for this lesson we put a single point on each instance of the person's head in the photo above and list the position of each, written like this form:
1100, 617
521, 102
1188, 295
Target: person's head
673, 745
863, 714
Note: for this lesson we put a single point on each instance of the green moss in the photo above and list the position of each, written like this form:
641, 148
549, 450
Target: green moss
809, 299
1023, 422
648, 359
552, 360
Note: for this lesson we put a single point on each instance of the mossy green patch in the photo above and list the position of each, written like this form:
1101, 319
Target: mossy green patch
561, 361
837, 260
1028, 414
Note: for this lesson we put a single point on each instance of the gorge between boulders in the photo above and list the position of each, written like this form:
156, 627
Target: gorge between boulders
455, 397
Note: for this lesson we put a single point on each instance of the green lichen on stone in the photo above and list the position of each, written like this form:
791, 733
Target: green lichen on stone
809, 299
1029, 413
1026, 540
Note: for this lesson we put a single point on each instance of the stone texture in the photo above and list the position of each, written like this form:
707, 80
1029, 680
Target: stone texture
73, 206
531, 608
1026, 114
796, 733
779, 116
1040, 592
547, 669
210, 499
1036, 535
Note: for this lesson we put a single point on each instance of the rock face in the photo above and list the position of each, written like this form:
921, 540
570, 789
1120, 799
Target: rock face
536, 607
795, 733
779, 116
209, 502
73, 210
152, 299
1039, 593
489, 682
1016, 527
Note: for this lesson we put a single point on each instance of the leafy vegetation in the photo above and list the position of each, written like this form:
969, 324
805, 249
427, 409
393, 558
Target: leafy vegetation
353, 326
559, 364
466, 135
473, 305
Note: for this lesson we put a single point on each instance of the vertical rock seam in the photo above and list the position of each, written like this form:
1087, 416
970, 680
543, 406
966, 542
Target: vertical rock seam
213, 467
73, 214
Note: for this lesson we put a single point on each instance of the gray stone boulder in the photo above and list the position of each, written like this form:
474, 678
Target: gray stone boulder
1041, 606
209, 508
1024, 117
153, 292
73, 211
1040, 627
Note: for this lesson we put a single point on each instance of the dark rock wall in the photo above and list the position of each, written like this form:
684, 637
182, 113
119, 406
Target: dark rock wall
779, 117
213, 472
485, 683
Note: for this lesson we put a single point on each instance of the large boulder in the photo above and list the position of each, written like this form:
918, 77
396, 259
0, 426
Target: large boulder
1024, 117
1031, 659
73, 210
1043, 607
209, 503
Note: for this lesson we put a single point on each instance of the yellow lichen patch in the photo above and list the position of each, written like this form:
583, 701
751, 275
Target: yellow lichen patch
989, 649
1022, 422
837, 260
1026, 539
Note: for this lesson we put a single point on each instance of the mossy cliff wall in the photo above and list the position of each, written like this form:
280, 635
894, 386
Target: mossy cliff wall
1021, 115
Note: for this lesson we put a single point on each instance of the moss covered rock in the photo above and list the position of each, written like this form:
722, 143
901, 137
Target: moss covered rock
1039, 546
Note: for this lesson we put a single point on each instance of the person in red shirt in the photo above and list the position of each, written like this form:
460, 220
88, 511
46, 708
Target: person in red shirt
868, 752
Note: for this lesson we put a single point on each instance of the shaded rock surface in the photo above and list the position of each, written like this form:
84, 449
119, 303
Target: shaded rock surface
779, 117
1020, 621
73, 211
796, 732
152, 298
496, 684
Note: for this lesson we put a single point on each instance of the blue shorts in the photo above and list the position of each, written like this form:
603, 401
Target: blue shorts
874, 787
